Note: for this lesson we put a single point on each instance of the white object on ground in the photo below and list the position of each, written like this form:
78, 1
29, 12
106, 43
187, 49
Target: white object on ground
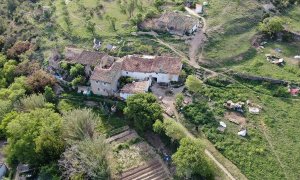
242, 133
297, 57
223, 124
254, 110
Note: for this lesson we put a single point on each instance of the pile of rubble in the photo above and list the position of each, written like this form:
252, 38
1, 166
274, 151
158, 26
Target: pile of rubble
235, 106
275, 59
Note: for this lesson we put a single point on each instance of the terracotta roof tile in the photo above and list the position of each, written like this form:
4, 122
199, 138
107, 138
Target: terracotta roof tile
156, 64
135, 87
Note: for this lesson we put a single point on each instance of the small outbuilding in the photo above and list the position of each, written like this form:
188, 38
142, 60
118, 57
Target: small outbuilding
199, 9
135, 88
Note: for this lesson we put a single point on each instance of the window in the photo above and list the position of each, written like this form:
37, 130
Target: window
126, 72
98, 89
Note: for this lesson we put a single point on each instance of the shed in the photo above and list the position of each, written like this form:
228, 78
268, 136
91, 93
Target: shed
199, 9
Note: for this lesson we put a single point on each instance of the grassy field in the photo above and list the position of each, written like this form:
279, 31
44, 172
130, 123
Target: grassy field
258, 64
231, 26
293, 19
270, 151
80, 12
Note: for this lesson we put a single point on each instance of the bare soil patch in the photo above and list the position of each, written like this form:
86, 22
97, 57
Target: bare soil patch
236, 118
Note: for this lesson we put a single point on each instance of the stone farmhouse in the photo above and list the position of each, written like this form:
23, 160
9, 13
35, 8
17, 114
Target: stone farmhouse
143, 69
172, 22
105, 71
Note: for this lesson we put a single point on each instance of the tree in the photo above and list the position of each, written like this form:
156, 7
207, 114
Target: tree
35, 138
77, 81
190, 158
198, 113
11, 7
3, 60
32, 102
26, 68
131, 7
49, 94
193, 84
39, 80
112, 22
271, 25
87, 160
15, 91
143, 109
3, 26
91, 27
9, 70
17, 49
2, 42
158, 3
77, 70
79, 124
179, 100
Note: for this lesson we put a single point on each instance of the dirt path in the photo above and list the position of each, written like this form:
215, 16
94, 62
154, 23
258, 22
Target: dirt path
219, 164
179, 53
197, 42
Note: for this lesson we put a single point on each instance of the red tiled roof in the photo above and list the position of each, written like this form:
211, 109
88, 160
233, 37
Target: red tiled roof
135, 87
157, 64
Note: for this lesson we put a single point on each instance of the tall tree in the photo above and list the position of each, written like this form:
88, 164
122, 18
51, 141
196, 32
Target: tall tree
39, 80
271, 25
143, 109
35, 138
86, 160
193, 84
79, 124
190, 159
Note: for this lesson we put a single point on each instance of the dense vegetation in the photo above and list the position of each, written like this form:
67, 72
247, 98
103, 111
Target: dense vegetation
52, 132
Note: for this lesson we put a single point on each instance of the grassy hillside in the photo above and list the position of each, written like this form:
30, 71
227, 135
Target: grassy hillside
231, 26
293, 19
270, 149
258, 64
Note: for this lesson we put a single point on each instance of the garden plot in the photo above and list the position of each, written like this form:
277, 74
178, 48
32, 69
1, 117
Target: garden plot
133, 158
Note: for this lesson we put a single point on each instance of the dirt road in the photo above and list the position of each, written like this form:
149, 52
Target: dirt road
197, 43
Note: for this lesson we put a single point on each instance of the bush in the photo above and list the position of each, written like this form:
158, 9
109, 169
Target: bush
199, 114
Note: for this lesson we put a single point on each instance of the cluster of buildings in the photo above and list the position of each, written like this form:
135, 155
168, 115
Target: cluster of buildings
105, 71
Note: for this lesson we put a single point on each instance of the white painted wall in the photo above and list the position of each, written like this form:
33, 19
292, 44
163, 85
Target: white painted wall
165, 78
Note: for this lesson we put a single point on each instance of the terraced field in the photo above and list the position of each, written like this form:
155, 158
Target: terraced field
135, 159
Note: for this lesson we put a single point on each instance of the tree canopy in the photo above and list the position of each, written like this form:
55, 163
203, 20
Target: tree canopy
190, 159
79, 124
198, 113
271, 25
92, 157
35, 138
143, 109
193, 84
